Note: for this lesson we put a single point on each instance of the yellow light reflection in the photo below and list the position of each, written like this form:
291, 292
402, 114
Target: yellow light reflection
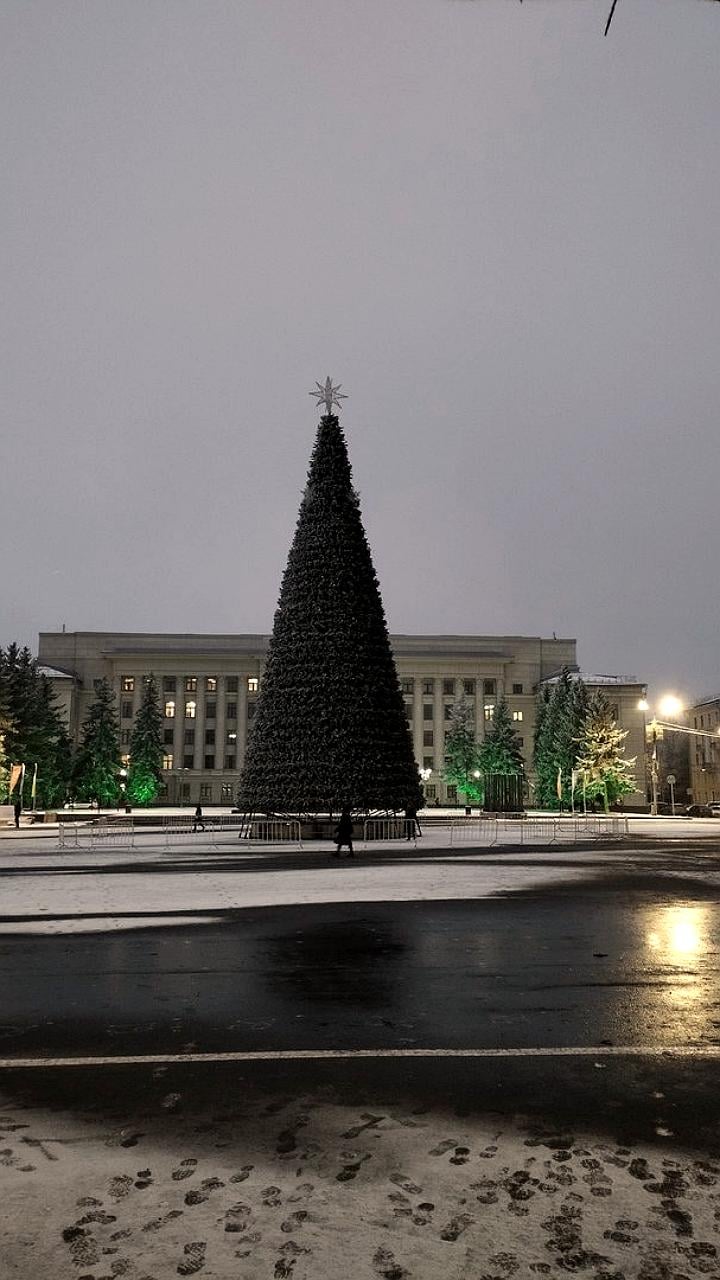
678, 932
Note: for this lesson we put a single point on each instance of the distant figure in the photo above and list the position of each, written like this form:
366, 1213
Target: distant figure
343, 834
17, 810
411, 821
198, 820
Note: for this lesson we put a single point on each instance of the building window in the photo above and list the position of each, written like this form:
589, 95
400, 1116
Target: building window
210, 709
229, 762
211, 684
231, 684
449, 708
448, 688
428, 762
124, 737
489, 710
429, 687
168, 761
469, 688
168, 737
169, 684
189, 737
427, 711
226, 792
517, 688
251, 711
209, 762
126, 710
205, 791
231, 711
188, 762
517, 715
128, 684
253, 684
428, 739
170, 710
409, 710
125, 761
452, 794
190, 709
191, 684
209, 737
185, 790
232, 737
489, 688
407, 686
430, 791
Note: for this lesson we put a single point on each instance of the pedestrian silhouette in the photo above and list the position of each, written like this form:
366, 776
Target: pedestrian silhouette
411, 821
343, 834
198, 820
17, 810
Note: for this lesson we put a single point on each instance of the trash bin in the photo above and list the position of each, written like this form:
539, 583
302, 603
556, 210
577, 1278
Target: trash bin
468, 811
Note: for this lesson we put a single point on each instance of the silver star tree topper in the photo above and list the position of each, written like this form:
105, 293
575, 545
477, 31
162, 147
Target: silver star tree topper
328, 395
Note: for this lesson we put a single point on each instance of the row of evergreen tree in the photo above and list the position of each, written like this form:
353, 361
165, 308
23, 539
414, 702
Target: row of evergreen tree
578, 749
32, 732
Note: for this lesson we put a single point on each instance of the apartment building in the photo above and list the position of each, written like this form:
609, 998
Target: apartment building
209, 685
705, 752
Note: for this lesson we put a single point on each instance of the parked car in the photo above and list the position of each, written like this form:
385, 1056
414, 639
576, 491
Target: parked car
714, 807
699, 811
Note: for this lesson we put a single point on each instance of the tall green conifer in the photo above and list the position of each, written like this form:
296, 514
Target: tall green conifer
500, 752
146, 747
330, 730
97, 764
462, 752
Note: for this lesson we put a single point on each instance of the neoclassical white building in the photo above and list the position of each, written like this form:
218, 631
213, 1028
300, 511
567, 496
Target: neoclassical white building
209, 686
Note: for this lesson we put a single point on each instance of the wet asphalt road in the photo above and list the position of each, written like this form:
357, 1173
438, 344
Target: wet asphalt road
630, 958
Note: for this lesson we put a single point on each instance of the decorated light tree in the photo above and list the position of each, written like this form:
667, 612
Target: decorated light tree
605, 773
146, 747
330, 730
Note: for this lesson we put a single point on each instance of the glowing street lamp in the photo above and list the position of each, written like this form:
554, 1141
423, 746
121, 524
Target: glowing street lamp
670, 708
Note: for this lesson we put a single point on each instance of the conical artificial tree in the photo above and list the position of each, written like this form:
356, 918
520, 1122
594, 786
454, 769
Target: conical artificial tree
330, 731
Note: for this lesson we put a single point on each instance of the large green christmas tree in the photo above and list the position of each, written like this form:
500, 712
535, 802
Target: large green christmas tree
500, 752
146, 747
330, 730
462, 752
97, 764
606, 773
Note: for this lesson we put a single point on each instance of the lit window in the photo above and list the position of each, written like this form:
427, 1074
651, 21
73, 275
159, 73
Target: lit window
211, 684
232, 736
226, 792
517, 688
469, 688
190, 684
128, 684
517, 715
448, 688
231, 711
253, 684
190, 709
170, 710
489, 710
125, 761
126, 710
168, 761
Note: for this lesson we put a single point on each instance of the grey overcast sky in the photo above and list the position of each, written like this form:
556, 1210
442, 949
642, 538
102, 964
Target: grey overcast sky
496, 228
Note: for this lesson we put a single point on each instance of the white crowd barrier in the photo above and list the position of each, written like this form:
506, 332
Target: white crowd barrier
542, 830
100, 833
208, 830
389, 829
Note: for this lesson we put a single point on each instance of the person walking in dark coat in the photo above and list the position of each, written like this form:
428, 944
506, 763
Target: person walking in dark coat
198, 820
411, 821
343, 834
17, 810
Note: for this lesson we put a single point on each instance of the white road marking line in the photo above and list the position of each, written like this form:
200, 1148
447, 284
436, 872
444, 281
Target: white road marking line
316, 1055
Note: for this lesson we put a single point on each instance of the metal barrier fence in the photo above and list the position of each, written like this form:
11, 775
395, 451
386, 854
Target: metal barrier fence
253, 830
389, 829
543, 830
101, 833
